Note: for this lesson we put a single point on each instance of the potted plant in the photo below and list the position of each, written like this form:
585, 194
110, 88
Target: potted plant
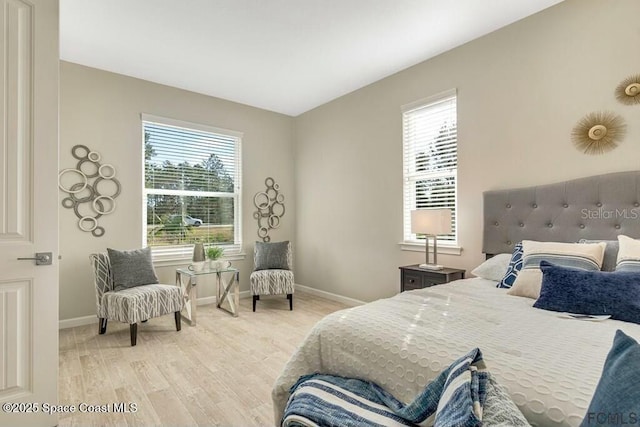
214, 253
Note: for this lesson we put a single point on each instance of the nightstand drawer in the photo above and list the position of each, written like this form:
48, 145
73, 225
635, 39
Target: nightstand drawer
428, 281
413, 277
411, 281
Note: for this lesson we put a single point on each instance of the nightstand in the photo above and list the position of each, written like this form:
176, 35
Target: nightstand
414, 277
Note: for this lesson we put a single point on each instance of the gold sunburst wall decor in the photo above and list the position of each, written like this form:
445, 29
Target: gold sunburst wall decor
628, 91
598, 132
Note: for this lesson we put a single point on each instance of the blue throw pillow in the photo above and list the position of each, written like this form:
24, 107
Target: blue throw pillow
617, 397
515, 265
590, 292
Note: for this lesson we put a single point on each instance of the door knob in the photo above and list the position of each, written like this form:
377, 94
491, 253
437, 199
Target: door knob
41, 258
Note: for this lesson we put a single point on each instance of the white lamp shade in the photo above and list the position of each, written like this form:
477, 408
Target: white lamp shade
431, 221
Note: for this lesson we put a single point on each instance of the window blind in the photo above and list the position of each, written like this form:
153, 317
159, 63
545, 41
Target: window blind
191, 186
430, 159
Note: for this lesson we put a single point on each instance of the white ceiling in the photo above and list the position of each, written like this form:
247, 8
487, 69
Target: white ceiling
287, 56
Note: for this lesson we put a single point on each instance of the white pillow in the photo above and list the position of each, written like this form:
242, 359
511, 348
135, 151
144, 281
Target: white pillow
494, 268
584, 256
628, 254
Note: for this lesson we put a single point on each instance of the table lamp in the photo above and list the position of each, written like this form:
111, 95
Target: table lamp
431, 223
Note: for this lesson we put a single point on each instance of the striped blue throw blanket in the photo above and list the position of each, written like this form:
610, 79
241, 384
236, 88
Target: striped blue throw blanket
455, 398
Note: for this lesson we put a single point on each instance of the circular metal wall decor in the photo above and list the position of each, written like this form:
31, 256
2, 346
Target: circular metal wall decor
598, 132
270, 205
628, 91
86, 193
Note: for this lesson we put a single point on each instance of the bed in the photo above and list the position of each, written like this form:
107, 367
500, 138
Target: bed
549, 365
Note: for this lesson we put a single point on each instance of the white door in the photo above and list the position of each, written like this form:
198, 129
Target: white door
29, 62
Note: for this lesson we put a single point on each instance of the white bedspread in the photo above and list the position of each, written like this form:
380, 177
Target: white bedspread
550, 365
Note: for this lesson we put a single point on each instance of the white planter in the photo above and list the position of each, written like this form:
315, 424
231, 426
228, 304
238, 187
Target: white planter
219, 264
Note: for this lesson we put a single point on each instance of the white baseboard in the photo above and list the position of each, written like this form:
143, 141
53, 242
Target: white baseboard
77, 321
352, 302
212, 299
206, 300
88, 320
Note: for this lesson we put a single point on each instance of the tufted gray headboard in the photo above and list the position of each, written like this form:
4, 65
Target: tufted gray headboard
596, 207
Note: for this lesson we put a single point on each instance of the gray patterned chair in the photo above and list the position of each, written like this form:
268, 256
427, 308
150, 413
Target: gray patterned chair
133, 305
272, 274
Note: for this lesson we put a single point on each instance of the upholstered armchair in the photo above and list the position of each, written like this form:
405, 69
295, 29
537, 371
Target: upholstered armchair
134, 304
272, 273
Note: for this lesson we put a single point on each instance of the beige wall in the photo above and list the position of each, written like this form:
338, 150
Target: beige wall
520, 91
102, 110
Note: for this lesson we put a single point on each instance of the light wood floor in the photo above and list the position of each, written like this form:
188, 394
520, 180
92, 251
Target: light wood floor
218, 373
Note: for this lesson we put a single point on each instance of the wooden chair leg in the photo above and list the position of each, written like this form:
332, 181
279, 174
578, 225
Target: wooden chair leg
178, 321
102, 326
133, 328
255, 298
290, 298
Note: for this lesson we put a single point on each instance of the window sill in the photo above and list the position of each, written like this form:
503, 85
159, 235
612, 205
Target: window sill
173, 261
442, 248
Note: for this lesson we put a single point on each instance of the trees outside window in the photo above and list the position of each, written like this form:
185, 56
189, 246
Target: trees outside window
191, 184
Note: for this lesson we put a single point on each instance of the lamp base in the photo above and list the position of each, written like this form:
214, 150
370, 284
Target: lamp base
431, 266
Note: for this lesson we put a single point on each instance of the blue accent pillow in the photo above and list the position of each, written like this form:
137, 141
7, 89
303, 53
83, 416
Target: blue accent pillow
617, 394
515, 265
577, 291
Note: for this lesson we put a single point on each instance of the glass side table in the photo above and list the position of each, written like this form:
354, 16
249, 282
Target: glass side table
227, 290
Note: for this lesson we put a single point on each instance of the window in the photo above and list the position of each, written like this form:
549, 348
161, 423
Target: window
430, 159
192, 177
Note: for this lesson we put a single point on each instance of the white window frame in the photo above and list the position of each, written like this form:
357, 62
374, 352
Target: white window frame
410, 176
169, 255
